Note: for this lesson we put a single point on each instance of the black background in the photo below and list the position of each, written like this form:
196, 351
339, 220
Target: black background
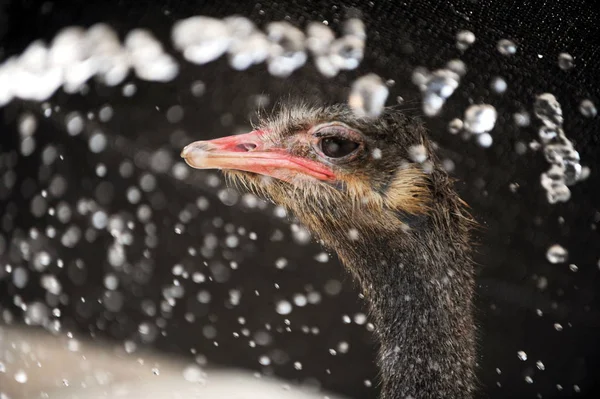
518, 226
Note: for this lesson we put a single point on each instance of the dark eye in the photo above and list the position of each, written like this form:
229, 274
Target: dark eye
337, 147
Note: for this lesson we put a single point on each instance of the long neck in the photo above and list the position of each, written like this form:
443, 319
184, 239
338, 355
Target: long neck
419, 287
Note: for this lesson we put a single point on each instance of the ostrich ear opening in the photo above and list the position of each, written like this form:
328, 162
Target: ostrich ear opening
409, 191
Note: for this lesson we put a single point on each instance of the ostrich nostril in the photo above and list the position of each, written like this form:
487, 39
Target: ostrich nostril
247, 147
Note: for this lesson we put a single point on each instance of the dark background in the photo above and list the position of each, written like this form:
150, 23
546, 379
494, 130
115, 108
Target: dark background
518, 226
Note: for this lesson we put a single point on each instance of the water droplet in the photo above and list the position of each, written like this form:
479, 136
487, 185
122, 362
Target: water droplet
548, 110
480, 118
540, 365
346, 53
248, 51
111, 282
355, 27
21, 376
41, 261
106, 113
322, 257
36, 314
522, 119
485, 140
437, 86
343, 347
129, 89
464, 39
27, 124
194, 374
51, 284
360, 318
201, 39
498, 85
319, 38
283, 307
281, 263
522, 355
565, 61
368, 96
264, 360
557, 254
588, 109
287, 51
573, 267
506, 47
417, 153
455, 126
97, 142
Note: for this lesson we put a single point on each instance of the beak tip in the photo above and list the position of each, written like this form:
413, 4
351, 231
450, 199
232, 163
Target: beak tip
195, 154
185, 152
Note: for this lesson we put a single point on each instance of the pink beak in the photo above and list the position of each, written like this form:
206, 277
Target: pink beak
249, 153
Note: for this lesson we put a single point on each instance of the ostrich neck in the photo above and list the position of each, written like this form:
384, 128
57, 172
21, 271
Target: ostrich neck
419, 286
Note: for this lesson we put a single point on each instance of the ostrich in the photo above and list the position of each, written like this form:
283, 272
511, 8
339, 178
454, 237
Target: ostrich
396, 224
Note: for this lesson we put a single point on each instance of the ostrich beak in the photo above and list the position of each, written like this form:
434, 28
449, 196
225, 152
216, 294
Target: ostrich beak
249, 153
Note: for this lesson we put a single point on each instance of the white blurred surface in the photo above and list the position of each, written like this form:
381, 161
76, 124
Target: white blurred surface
59, 367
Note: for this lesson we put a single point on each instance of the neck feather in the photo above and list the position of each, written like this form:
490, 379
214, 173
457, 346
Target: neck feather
419, 284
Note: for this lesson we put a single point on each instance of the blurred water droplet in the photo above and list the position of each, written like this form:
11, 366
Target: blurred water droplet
480, 118
36, 314
557, 254
51, 284
97, 142
522, 355
368, 96
41, 261
201, 39
21, 376
360, 318
506, 47
522, 119
573, 267
287, 52
319, 38
194, 374
417, 153
437, 86
27, 124
455, 126
565, 61
264, 360
343, 347
464, 39
283, 307
540, 365
198, 88
588, 109
498, 85
485, 140
322, 257
347, 52
149, 61
548, 110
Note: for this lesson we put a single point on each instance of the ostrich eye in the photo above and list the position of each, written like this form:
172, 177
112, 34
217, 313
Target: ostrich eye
337, 147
